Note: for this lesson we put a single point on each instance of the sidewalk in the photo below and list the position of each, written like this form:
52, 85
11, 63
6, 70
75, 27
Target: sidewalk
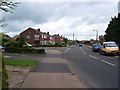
52, 72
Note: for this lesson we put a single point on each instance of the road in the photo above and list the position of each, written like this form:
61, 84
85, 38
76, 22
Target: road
97, 70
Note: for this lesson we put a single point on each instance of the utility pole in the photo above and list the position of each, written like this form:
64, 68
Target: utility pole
96, 35
73, 38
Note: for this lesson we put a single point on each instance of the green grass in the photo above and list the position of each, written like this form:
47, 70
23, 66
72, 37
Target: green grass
22, 63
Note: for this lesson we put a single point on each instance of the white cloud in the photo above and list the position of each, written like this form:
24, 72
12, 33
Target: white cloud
64, 18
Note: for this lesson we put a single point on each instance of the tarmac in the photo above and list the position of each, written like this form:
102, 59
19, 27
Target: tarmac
52, 72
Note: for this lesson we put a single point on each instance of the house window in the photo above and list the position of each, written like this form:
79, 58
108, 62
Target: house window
37, 35
45, 36
28, 36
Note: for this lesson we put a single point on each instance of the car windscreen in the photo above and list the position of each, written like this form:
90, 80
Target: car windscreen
111, 45
96, 46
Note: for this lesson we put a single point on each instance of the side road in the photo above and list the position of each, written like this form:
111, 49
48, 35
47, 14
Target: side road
52, 72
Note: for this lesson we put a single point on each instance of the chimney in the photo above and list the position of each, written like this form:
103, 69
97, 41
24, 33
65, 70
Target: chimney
48, 33
38, 29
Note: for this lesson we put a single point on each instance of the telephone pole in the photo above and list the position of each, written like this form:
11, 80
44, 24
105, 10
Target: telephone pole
96, 35
73, 38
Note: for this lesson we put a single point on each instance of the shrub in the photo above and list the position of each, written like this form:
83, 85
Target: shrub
50, 45
4, 77
24, 50
25, 46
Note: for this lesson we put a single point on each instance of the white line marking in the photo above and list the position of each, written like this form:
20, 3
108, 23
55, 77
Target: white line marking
84, 52
93, 57
67, 50
108, 63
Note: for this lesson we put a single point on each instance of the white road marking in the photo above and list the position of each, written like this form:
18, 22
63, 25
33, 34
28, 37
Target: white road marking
98, 58
108, 63
67, 50
103, 60
84, 52
93, 57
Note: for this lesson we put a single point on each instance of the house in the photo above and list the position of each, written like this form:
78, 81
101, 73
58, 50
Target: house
46, 39
15, 37
33, 36
58, 39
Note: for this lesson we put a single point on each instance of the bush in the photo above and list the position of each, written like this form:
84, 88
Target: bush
50, 45
24, 50
25, 46
4, 77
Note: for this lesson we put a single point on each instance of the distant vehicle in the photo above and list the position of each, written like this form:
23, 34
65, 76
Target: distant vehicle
79, 44
96, 47
109, 48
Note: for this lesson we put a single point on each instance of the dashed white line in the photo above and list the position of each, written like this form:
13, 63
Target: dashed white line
67, 50
103, 61
93, 57
108, 63
84, 52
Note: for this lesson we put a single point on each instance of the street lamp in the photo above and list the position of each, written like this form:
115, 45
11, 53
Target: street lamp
96, 35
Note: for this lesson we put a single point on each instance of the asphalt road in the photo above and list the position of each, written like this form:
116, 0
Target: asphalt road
97, 70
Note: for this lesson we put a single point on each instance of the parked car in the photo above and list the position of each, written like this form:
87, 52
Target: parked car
109, 48
79, 44
96, 47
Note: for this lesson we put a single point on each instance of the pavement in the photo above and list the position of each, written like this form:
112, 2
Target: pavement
52, 72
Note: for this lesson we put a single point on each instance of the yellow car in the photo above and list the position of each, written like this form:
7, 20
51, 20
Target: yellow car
109, 48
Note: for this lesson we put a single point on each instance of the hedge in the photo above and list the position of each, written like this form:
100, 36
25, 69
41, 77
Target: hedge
50, 45
24, 50
4, 77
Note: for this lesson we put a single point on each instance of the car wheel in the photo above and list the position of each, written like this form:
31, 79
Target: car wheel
100, 52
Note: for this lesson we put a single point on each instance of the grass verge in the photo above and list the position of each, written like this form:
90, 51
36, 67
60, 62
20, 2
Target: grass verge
22, 63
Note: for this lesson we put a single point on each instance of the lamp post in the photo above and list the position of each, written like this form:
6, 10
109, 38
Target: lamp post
96, 35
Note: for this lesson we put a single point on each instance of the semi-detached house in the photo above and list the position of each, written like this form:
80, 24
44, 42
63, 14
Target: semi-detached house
33, 36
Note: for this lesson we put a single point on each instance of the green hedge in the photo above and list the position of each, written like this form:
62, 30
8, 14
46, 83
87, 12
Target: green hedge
50, 45
4, 77
24, 50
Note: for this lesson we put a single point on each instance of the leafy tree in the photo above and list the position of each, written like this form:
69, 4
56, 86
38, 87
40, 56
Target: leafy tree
113, 30
6, 6
65, 40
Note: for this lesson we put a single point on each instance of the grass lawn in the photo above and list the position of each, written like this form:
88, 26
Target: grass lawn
23, 63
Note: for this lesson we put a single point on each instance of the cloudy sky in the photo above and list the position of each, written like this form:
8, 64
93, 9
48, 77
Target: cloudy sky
62, 17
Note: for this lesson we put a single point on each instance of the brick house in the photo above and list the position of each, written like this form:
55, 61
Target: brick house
33, 36
58, 39
46, 39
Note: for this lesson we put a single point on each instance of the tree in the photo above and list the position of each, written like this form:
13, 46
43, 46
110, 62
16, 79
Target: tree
65, 40
113, 30
6, 6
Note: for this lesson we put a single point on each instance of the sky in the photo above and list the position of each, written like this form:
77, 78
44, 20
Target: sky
63, 17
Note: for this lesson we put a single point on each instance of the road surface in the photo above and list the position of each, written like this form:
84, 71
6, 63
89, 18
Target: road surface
99, 71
